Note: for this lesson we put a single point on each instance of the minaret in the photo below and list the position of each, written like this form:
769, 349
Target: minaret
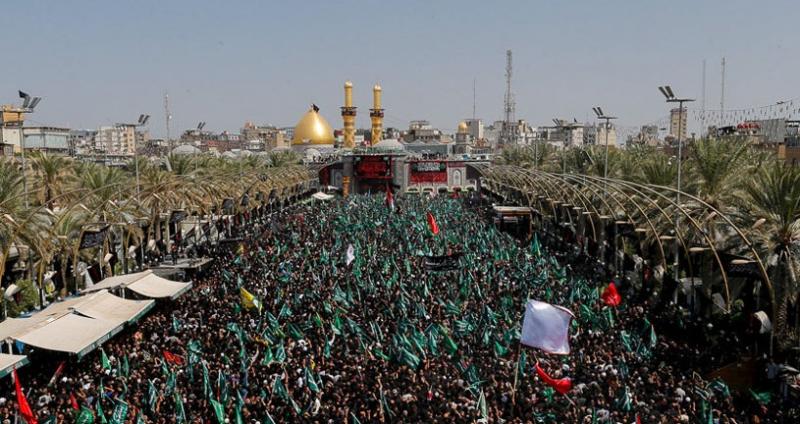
349, 116
376, 113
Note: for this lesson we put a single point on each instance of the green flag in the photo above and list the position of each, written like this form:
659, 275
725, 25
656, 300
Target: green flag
499, 349
219, 411
86, 416
100, 413
385, 406
104, 360
763, 398
206, 382
152, 395
450, 345
126, 368
180, 413
482, 406
310, 381
120, 412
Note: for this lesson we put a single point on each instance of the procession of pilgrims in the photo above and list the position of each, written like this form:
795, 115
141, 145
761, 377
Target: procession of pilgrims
415, 309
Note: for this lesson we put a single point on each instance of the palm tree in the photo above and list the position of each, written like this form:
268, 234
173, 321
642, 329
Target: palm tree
656, 169
774, 195
51, 174
717, 166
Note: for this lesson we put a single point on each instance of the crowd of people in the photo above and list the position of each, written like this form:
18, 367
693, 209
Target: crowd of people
331, 312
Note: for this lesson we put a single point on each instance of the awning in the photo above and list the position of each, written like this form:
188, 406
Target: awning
115, 281
144, 283
72, 334
104, 305
9, 363
155, 287
12, 328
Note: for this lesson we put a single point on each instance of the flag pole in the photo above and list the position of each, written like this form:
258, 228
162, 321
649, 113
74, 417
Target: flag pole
516, 377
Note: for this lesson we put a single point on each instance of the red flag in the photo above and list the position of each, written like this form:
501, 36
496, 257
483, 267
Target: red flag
24, 409
73, 402
173, 358
610, 295
562, 385
58, 372
432, 223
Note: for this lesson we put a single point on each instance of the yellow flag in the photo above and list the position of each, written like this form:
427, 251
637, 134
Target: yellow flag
248, 300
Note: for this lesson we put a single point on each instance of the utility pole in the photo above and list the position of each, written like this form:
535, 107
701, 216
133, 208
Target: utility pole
474, 86
703, 102
167, 118
28, 105
600, 115
671, 98
508, 104
722, 94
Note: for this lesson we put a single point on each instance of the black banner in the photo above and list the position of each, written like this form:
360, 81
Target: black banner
442, 263
93, 238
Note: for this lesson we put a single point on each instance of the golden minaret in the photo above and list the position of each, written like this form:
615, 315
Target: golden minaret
349, 116
376, 114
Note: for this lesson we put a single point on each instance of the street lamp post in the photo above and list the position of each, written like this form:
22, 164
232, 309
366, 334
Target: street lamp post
140, 123
671, 98
28, 105
600, 115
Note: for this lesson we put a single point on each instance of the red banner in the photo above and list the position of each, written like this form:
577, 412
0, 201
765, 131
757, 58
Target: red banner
428, 172
373, 167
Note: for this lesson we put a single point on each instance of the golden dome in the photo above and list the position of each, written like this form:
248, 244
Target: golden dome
462, 127
312, 129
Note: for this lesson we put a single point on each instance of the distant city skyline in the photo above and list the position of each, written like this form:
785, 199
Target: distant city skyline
97, 63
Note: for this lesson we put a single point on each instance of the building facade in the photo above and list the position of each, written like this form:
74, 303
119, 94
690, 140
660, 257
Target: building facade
678, 123
47, 139
119, 139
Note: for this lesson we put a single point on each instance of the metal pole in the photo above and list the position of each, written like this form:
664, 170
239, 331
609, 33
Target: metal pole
605, 167
136, 162
24, 165
678, 192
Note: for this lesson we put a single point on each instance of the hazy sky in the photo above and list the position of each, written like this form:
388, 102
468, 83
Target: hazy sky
226, 62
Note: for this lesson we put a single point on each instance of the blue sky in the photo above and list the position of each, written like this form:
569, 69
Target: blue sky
226, 62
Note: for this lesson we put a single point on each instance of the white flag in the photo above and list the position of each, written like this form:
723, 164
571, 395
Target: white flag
351, 254
546, 327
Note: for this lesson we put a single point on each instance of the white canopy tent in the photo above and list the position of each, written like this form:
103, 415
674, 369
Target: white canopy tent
76, 325
104, 305
144, 283
12, 328
72, 333
9, 363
